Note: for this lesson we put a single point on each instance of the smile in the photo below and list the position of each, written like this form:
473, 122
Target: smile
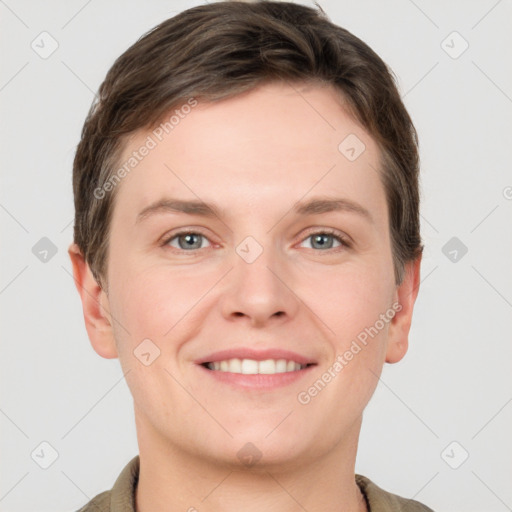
253, 367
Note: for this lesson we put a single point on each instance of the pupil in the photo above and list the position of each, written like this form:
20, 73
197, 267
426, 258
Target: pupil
318, 238
190, 239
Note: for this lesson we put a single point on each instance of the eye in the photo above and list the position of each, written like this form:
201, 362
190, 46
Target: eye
190, 241
186, 240
323, 239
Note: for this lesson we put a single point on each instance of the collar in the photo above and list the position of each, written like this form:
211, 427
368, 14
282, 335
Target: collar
122, 495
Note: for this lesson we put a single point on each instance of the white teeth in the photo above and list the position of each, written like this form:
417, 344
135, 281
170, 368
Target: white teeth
280, 365
235, 366
253, 367
249, 366
290, 366
268, 366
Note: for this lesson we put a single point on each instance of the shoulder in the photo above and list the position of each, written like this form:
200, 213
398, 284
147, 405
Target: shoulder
100, 503
380, 500
121, 498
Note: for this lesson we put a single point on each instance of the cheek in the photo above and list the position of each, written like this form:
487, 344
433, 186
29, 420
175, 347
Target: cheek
155, 313
159, 303
350, 299
142, 298
352, 305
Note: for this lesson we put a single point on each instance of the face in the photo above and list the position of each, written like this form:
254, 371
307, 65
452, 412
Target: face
205, 304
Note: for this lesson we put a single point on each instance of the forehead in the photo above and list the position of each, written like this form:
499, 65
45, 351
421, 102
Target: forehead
275, 143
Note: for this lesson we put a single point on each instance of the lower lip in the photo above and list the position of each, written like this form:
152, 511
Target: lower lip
258, 381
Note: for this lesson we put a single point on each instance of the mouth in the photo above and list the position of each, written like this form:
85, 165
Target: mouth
255, 367
249, 368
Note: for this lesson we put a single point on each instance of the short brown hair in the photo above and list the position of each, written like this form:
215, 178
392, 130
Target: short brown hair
217, 51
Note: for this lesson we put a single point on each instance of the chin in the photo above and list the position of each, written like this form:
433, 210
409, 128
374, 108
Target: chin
257, 449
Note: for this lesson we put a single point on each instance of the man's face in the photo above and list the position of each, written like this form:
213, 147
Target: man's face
260, 281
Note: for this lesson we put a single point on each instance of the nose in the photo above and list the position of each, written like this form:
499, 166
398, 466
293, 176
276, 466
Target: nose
259, 292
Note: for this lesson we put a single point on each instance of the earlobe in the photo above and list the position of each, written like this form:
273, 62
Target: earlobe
406, 293
95, 305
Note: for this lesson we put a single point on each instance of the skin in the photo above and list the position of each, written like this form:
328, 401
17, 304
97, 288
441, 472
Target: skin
255, 156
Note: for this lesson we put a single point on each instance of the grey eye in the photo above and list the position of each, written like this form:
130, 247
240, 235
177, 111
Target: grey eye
323, 240
187, 241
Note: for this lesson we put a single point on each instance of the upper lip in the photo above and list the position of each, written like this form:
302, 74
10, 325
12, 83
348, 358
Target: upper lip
256, 354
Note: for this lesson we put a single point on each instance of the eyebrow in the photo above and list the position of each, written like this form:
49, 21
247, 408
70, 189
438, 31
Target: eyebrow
312, 207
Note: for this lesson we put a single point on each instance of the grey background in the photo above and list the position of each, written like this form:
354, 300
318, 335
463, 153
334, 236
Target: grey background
455, 382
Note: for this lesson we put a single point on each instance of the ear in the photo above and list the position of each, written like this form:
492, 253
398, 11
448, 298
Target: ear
405, 295
95, 304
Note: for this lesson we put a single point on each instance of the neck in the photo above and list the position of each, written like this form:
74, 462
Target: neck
171, 478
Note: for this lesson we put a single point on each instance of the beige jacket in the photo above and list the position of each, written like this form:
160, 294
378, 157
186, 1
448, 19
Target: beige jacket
121, 498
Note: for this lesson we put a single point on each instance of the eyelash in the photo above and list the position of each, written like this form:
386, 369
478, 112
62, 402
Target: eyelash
345, 244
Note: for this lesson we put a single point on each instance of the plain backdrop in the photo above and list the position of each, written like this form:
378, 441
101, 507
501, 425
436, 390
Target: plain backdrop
438, 427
